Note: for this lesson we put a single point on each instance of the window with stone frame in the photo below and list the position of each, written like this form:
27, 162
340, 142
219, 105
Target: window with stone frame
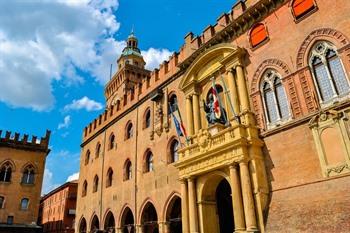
111, 144
149, 166
109, 180
24, 204
129, 130
328, 73
84, 190
95, 184
147, 119
301, 8
28, 175
173, 154
274, 98
2, 202
127, 170
98, 150
6, 172
258, 35
87, 157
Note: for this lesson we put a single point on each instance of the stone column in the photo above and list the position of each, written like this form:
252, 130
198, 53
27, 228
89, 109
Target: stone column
184, 206
166, 107
118, 230
189, 115
248, 200
193, 210
242, 87
196, 113
233, 91
237, 203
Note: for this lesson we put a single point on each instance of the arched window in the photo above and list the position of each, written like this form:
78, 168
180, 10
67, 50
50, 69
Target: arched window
172, 103
2, 202
274, 98
111, 141
95, 186
6, 172
98, 150
328, 72
24, 203
149, 162
28, 175
302, 7
87, 157
147, 119
127, 170
129, 131
258, 34
84, 190
109, 177
174, 146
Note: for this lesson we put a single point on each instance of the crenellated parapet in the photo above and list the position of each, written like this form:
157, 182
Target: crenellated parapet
242, 16
15, 140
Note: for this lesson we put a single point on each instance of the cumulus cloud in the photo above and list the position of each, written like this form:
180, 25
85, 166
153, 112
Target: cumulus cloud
153, 57
66, 122
42, 42
48, 184
84, 103
72, 177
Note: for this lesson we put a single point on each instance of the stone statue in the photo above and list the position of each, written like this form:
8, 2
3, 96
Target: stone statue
210, 114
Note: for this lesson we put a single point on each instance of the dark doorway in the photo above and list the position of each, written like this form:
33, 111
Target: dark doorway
109, 223
174, 215
82, 227
149, 219
95, 224
224, 207
128, 222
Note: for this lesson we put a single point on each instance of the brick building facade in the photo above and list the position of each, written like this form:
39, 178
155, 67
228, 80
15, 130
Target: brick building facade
22, 164
282, 162
58, 208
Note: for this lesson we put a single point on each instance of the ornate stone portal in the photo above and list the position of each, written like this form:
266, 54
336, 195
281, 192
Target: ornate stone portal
217, 154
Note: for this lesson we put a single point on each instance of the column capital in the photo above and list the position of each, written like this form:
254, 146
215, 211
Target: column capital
183, 180
189, 96
233, 166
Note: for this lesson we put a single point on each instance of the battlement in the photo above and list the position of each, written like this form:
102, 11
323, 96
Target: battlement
15, 140
228, 26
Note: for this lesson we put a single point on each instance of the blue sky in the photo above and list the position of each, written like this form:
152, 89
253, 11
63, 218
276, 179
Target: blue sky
55, 58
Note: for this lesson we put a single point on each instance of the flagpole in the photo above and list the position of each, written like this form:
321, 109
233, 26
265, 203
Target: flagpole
177, 106
229, 99
172, 116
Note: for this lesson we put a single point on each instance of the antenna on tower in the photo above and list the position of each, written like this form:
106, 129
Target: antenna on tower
110, 72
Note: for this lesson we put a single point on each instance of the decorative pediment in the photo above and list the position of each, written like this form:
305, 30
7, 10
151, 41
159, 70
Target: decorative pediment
209, 62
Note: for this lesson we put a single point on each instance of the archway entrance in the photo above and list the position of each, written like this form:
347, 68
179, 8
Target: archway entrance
173, 215
109, 226
95, 224
149, 219
127, 222
82, 226
224, 207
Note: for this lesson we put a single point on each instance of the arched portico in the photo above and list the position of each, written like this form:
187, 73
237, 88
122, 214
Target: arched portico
172, 214
127, 223
95, 224
82, 226
149, 219
109, 225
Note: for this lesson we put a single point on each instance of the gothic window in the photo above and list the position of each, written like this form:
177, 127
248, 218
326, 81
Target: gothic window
6, 172
98, 150
87, 157
24, 203
95, 186
2, 202
172, 103
85, 186
302, 7
328, 72
258, 34
28, 175
129, 131
174, 146
147, 119
275, 100
149, 162
109, 177
111, 142
127, 170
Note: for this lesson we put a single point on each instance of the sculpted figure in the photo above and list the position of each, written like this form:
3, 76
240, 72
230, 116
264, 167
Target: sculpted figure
210, 112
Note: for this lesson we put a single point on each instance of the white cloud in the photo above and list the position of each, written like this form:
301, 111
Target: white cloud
50, 40
48, 184
153, 57
72, 177
66, 122
84, 103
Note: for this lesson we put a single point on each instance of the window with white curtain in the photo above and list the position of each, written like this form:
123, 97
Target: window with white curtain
328, 72
275, 100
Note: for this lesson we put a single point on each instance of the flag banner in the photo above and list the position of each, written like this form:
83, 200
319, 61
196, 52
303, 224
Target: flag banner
179, 126
216, 104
